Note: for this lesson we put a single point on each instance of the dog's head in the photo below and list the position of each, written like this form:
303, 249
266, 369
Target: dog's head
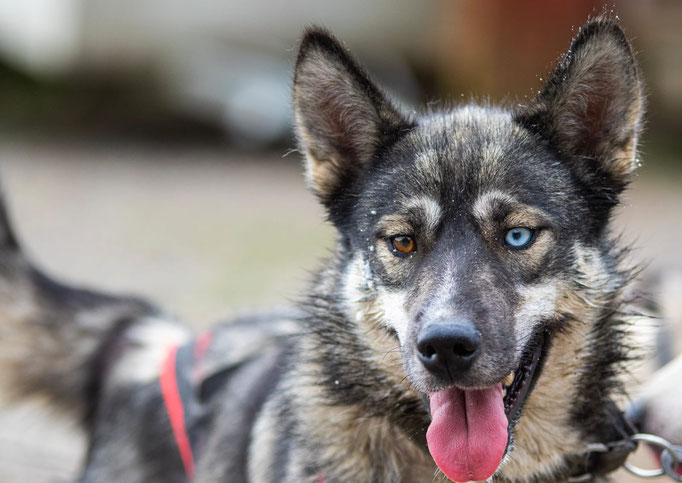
468, 229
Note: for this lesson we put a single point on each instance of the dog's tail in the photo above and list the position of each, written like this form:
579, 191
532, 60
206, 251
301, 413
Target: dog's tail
56, 340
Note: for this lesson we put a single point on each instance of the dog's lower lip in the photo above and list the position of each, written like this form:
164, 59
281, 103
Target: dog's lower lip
525, 376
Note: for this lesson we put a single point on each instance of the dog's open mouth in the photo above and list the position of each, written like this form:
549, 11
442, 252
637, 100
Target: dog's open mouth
516, 393
470, 430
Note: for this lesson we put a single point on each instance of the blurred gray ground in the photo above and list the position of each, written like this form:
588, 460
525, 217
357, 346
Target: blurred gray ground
204, 233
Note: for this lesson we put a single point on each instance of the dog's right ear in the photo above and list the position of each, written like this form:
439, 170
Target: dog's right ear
341, 117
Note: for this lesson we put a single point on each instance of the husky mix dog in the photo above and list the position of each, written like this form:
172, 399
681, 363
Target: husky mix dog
468, 326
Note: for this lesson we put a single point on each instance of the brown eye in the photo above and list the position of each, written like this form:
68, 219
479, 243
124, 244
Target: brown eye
403, 244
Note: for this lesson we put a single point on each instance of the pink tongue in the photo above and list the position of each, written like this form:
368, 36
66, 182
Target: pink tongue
467, 436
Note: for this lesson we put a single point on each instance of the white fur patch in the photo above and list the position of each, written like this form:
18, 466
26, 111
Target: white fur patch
388, 307
368, 277
538, 303
355, 288
394, 314
147, 343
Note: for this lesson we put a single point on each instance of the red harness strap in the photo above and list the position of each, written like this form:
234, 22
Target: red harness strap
176, 411
180, 374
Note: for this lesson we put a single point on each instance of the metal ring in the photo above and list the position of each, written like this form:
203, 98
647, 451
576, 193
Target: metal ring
661, 443
669, 462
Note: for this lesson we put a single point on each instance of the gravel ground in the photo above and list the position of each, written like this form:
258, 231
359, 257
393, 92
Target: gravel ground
204, 233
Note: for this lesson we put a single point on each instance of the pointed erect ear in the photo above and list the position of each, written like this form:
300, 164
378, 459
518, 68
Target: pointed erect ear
591, 107
341, 117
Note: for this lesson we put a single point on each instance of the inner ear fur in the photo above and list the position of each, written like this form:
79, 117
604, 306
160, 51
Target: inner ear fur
341, 116
591, 107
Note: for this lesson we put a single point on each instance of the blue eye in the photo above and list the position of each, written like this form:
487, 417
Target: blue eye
518, 237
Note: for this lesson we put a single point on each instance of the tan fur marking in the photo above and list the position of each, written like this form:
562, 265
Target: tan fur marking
354, 443
430, 210
484, 204
397, 224
319, 175
534, 255
544, 433
392, 225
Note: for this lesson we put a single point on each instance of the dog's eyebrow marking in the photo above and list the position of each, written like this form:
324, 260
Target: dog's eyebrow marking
430, 209
485, 203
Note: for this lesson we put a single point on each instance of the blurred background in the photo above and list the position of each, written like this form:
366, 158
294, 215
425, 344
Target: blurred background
146, 146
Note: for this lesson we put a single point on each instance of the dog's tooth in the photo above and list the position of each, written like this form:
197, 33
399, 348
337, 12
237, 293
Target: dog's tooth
509, 379
504, 391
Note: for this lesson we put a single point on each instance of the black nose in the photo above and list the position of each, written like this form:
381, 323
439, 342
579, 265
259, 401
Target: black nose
448, 347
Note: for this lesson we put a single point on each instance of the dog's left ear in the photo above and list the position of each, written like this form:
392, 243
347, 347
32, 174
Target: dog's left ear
590, 109
341, 117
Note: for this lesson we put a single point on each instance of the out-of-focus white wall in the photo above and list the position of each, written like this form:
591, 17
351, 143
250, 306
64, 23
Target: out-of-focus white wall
226, 62
42, 36
58, 35
136, 29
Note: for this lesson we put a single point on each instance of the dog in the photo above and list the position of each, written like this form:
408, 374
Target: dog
470, 324
658, 403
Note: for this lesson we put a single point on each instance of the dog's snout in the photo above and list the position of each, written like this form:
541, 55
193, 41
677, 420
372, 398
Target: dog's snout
448, 346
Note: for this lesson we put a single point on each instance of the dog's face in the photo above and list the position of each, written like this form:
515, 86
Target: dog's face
466, 229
